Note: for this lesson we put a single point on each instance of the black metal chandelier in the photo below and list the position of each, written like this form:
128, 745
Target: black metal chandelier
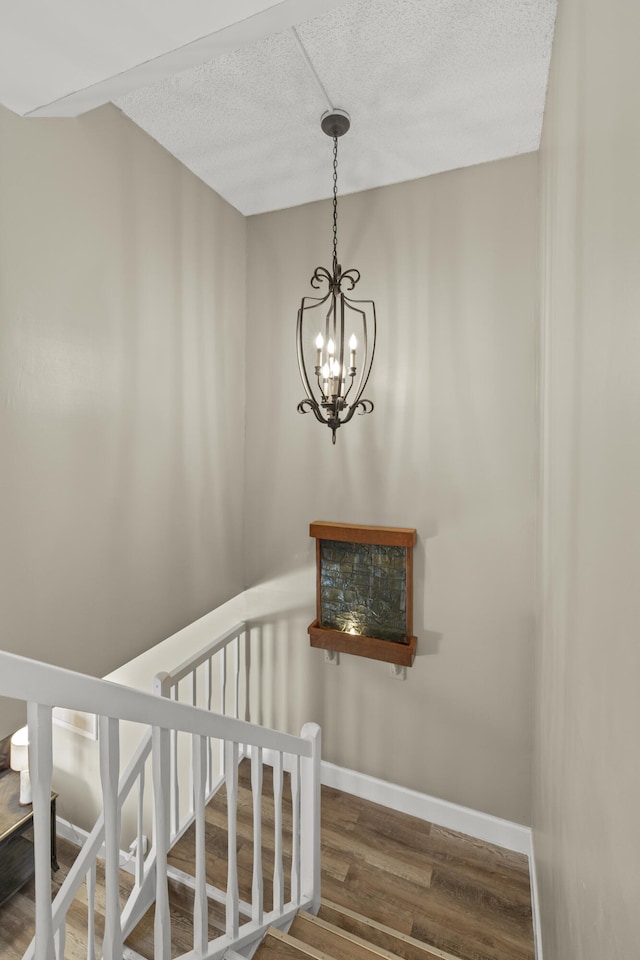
336, 335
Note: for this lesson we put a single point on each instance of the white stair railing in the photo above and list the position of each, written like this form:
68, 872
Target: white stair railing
194, 682
43, 686
219, 665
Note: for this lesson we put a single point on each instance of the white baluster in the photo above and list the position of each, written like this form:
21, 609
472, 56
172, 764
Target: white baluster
231, 774
295, 833
208, 684
223, 680
40, 752
161, 775
278, 873
194, 687
208, 696
109, 774
60, 939
175, 786
139, 846
310, 817
91, 915
236, 683
200, 904
223, 700
194, 703
257, 892
236, 676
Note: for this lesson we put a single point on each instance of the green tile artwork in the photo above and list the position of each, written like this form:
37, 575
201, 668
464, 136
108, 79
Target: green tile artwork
363, 589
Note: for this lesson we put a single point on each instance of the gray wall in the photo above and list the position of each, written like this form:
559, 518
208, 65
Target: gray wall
450, 449
122, 289
587, 775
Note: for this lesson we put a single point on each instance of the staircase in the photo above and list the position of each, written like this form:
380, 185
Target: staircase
336, 933
340, 934
187, 752
233, 870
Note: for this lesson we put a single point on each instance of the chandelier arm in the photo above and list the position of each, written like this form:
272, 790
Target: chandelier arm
314, 409
373, 349
351, 276
315, 302
363, 366
320, 274
352, 408
367, 363
302, 367
349, 388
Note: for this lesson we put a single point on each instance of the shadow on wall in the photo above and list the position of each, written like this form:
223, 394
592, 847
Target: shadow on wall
428, 640
278, 689
277, 647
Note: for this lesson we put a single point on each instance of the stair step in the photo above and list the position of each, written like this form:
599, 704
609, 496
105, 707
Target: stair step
338, 933
378, 935
282, 946
334, 941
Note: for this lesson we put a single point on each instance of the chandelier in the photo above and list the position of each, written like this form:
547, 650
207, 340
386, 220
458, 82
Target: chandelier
336, 335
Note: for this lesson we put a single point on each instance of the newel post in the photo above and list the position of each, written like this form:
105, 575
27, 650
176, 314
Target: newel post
310, 817
161, 684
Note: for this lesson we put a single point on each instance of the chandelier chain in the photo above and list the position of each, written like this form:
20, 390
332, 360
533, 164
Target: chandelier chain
335, 207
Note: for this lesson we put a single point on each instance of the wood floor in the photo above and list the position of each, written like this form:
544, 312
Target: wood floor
465, 897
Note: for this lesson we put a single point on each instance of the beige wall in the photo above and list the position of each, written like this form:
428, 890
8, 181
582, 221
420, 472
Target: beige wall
122, 333
122, 285
450, 449
587, 775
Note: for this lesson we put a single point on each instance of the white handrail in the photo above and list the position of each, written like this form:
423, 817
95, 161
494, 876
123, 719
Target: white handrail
50, 686
197, 659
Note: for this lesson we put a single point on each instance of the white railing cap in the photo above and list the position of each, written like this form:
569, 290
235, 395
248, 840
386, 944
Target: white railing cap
195, 660
43, 683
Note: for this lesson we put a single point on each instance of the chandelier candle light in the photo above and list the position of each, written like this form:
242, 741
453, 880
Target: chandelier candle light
334, 392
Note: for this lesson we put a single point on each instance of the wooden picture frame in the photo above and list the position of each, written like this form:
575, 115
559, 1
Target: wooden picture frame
325, 630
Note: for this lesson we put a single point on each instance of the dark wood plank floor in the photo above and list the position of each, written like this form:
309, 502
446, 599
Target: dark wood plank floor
468, 898
17, 916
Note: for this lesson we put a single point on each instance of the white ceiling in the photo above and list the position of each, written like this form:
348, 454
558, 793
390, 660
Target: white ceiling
236, 90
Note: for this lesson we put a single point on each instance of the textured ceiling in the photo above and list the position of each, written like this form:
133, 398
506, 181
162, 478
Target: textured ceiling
60, 59
430, 85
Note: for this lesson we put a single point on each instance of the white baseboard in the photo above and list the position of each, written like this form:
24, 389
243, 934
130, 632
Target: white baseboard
70, 832
482, 826
78, 836
535, 902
